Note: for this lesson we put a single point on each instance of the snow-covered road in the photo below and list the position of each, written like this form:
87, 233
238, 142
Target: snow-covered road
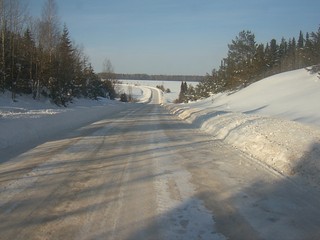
112, 179
142, 173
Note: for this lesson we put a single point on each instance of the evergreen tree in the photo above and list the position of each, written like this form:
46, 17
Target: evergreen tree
315, 45
247, 62
283, 49
300, 43
299, 51
292, 54
259, 63
183, 92
28, 61
240, 58
307, 51
94, 87
61, 88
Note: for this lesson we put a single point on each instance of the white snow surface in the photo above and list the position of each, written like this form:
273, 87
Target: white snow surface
275, 120
27, 120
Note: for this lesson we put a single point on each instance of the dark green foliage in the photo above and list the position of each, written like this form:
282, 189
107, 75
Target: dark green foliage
248, 62
183, 92
240, 59
108, 86
60, 72
187, 93
163, 89
61, 86
124, 97
65, 77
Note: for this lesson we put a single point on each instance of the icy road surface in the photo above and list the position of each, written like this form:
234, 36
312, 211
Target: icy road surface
144, 174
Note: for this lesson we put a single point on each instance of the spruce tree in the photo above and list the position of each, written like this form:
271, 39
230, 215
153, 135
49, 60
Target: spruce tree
307, 51
28, 61
183, 92
315, 40
62, 87
299, 50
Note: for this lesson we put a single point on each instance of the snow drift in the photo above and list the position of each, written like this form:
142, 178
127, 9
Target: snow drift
275, 120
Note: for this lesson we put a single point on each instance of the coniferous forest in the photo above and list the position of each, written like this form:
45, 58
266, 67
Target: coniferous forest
38, 57
248, 62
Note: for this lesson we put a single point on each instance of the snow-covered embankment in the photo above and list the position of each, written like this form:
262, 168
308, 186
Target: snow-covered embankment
272, 128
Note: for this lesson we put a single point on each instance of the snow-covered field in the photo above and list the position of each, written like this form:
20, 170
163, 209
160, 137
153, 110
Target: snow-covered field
276, 120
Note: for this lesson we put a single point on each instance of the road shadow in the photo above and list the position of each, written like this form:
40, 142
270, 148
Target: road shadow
238, 202
280, 207
268, 206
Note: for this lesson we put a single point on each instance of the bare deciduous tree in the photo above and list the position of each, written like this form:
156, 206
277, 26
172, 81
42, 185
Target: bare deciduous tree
12, 22
49, 28
108, 71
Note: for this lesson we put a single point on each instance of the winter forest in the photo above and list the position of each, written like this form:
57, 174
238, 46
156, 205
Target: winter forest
248, 62
38, 57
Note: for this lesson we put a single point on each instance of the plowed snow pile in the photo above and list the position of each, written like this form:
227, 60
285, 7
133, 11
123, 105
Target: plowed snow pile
275, 120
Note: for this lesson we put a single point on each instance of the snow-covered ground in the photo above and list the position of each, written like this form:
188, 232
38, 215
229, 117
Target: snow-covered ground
275, 120
27, 121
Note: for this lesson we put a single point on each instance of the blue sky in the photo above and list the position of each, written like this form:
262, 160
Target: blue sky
176, 36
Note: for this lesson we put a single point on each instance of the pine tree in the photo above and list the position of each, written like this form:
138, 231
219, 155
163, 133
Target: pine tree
240, 58
273, 57
259, 63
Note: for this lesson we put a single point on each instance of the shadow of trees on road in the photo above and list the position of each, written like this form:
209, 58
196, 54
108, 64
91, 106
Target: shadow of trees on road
234, 196
264, 205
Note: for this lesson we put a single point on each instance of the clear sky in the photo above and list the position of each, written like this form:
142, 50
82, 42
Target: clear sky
176, 36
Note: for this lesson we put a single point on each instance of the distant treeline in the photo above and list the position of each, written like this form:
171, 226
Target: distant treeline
184, 78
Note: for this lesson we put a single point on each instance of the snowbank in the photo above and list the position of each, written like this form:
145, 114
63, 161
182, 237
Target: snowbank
275, 121
28, 120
